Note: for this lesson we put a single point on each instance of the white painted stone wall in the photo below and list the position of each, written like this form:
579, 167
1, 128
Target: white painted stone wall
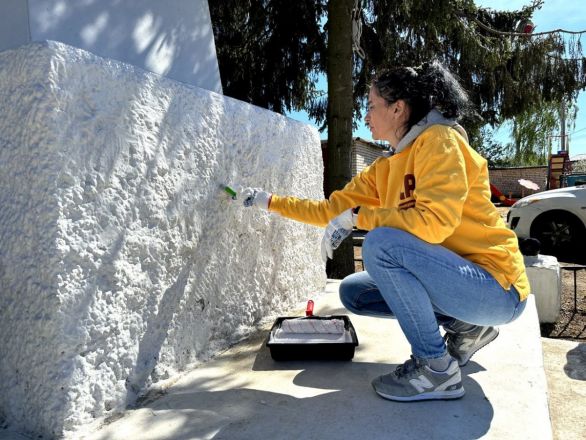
172, 37
545, 279
121, 260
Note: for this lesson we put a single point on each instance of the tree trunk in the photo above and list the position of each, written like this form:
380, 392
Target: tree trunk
339, 116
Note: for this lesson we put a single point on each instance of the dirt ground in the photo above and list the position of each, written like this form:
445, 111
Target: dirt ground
571, 324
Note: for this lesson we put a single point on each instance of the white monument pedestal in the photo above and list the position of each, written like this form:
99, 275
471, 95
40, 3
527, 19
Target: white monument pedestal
122, 260
172, 37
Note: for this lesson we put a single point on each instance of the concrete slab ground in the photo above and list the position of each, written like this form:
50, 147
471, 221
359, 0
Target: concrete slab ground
244, 394
565, 368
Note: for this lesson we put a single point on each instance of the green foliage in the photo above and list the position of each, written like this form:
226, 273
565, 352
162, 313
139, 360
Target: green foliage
532, 133
270, 51
532, 140
505, 75
579, 166
496, 154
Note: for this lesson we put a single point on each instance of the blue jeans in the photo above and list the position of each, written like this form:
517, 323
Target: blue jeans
424, 286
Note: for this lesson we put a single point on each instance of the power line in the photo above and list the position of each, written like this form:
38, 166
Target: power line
578, 131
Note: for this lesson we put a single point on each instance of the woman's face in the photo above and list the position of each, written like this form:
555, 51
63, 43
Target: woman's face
386, 121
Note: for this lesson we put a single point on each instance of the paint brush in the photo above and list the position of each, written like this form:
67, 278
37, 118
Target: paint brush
230, 192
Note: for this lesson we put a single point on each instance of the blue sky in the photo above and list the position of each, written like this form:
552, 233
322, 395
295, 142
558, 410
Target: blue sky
555, 14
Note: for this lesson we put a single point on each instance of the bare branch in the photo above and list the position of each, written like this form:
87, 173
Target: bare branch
522, 34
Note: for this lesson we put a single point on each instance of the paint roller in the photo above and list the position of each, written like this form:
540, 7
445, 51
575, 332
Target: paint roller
311, 324
314, 326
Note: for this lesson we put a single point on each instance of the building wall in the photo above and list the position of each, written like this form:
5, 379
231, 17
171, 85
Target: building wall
363, 154
506, 180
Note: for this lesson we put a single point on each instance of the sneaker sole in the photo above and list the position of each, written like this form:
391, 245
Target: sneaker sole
434, 395
466, 360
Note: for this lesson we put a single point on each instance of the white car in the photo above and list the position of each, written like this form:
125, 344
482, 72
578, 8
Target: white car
557, 218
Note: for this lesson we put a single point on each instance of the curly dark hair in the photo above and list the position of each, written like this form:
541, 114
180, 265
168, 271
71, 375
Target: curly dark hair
423, 88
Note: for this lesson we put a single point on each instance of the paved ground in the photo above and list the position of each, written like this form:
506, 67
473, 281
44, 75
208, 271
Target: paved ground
244, 394
565, 368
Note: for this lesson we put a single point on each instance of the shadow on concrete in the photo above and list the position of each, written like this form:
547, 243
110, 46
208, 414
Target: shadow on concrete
351, 409
575, 367
340, 404
244, 394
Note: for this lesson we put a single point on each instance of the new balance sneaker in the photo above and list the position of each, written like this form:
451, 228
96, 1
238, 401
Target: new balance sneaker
462, 345
415, 380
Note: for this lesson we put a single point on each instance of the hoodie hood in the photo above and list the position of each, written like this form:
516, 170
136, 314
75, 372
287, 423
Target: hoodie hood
434, 117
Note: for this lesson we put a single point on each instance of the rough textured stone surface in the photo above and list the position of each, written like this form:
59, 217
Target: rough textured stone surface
544, 276
121, 259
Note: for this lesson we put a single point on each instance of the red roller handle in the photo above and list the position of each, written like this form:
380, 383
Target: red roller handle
309, 309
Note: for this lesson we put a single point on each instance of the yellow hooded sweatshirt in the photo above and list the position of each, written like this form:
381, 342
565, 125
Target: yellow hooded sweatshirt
436, 189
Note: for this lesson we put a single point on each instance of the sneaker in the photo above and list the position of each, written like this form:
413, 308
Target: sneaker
415, 380
463, 345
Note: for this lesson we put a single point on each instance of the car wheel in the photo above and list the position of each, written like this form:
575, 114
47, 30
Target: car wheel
561, 234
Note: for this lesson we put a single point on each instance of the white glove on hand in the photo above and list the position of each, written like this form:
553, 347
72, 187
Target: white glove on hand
256, 197
336, 232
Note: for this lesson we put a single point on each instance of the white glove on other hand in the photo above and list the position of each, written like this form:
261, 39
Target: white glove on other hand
256, 197
336, 232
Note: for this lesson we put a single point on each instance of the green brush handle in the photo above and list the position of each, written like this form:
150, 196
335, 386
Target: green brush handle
230, 192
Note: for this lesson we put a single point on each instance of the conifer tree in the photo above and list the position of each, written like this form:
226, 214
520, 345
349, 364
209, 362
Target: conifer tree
506, 70
271, 51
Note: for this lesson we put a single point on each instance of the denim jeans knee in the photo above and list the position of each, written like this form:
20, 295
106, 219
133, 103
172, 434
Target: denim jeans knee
360, 295
420, 280
376, 241
348, 294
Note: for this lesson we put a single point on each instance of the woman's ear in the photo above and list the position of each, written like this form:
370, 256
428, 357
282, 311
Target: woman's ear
399, 106
401, 109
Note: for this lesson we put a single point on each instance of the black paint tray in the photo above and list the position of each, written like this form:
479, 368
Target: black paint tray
288, 339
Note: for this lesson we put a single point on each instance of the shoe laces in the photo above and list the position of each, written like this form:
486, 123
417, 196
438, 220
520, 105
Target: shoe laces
454, 339
409, 367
